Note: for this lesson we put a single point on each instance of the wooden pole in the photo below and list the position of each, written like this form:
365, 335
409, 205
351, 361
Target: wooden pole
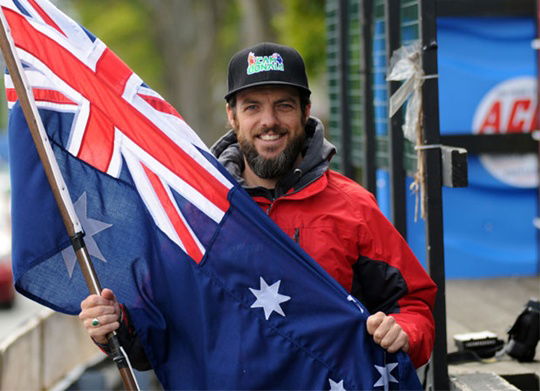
58, 186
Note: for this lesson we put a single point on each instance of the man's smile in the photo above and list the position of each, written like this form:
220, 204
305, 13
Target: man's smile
269, 136
271, 140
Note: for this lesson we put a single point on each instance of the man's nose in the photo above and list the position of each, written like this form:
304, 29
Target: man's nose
268, 118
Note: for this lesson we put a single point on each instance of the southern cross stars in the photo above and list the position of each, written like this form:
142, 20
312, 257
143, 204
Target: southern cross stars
268, 298
386, 377
90, 227
335, 386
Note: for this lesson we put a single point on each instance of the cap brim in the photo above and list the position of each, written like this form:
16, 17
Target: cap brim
263, 83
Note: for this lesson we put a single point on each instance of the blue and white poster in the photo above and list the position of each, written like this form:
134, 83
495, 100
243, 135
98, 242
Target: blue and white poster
487, 85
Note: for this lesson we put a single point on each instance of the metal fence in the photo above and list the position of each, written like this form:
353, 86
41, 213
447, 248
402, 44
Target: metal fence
362, 36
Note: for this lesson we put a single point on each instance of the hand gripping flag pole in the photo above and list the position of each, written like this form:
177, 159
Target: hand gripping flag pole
59, 189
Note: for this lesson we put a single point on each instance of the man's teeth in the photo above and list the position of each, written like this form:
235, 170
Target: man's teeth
269, 137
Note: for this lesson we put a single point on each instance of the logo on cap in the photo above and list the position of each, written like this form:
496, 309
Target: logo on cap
258, 64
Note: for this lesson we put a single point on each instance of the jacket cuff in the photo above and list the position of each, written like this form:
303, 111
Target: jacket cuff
123, 329
420, 342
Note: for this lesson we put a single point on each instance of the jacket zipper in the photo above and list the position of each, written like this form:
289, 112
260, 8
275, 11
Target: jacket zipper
296, 236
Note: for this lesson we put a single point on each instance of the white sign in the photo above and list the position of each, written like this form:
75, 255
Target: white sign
509, 107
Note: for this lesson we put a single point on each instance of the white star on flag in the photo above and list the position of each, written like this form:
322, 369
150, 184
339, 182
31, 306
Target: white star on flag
386, 377
268, 298
90, 227
334, 386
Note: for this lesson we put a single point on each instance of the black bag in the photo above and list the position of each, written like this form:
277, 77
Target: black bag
523, 336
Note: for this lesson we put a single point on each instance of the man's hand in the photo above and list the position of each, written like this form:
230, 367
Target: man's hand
100, 315
387, 332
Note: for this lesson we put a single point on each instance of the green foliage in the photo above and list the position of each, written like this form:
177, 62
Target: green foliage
229, 36
230, 30
125, 27
302, 26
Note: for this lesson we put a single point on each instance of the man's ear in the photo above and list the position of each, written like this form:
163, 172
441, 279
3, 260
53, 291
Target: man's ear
230, 116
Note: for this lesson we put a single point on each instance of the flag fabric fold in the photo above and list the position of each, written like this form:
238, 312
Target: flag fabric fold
220, 297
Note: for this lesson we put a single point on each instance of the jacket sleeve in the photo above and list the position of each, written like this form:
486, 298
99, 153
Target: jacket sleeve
388, 277
128, 339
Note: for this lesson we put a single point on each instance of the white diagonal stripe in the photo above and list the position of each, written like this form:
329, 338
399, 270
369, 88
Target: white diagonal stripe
78, 128
59, 84
177, 183
150, 199
182, 217
115, 165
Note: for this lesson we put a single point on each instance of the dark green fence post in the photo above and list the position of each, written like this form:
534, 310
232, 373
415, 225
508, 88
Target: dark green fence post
369, 159
434, 218
345, 120
395, 134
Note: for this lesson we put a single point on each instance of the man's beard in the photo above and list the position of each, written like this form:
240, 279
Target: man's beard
274, 167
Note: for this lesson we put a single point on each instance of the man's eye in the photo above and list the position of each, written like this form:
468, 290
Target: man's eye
250, 107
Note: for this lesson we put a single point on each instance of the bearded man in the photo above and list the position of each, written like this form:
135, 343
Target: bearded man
278, 152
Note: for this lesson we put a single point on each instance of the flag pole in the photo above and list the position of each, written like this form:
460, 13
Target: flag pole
59, 189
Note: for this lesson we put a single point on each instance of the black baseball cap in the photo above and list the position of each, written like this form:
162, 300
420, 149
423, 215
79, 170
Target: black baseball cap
266, 63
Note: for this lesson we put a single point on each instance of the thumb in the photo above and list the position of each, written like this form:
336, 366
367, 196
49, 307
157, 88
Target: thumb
108, 294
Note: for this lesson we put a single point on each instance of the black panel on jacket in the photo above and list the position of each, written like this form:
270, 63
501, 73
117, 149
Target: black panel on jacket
133, 348
131, 343
367, 286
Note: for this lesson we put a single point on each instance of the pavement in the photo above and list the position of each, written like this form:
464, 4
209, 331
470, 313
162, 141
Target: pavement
492, 305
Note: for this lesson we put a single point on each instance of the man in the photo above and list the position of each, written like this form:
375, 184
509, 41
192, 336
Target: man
279, 155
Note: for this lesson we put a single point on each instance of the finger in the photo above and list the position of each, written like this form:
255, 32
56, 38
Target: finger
400, 342
94, 300
374, 321
89, 301
100, 333
102, 320
94, 312
390, 337
384, 327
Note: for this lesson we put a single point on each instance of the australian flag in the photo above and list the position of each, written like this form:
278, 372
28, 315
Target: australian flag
220, 297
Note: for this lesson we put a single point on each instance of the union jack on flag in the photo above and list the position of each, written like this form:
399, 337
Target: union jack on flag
220, 297
117, 118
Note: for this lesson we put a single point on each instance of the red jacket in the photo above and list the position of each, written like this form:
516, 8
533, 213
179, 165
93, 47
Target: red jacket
339, 224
